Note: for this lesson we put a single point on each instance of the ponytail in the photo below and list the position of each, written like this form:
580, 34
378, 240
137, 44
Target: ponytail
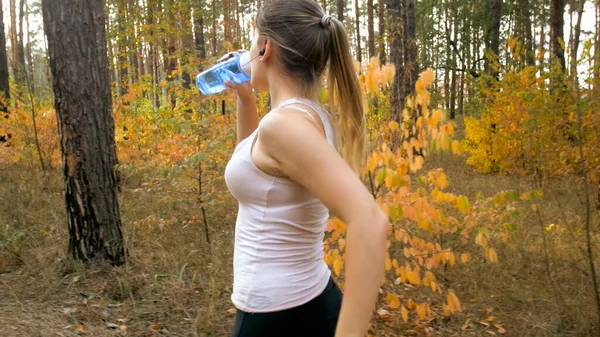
345, 99
308, 41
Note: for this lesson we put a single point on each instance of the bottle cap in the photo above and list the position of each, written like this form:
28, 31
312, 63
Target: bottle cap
245, 63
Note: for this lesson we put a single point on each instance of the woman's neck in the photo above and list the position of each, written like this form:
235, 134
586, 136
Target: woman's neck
282, 88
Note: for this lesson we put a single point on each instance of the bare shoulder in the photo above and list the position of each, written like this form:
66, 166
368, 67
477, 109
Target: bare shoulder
286, 126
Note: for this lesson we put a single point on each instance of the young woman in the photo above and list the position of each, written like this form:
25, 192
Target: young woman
286, 174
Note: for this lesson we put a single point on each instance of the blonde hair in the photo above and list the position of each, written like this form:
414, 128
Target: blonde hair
309, 40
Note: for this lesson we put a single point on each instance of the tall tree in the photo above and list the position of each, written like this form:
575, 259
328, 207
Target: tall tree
576, 37
21, 48
122, 44
4, 84
358, 47
494, 38
79, 64
227, 19
381, 30
214, 28
396, 35
411, 67
14, 40
341, 8
371, 28
199, 29
557, 22
597, 48
524, 30
542, 47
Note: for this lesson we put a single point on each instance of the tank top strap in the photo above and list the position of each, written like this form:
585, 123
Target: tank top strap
318, 108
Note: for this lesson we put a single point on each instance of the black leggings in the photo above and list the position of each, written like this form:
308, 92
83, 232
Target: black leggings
317, 318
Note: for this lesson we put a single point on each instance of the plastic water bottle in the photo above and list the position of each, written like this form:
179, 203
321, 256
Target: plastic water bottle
236, 69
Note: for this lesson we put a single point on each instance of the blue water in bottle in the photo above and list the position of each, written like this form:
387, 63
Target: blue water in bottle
236, 70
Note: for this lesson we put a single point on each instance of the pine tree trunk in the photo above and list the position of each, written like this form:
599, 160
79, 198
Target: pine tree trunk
122, 47
199, 31
453, 75
238, 33
134, 75
370, 28
214, 28
227, 19
358, 46
21, 48
79, 63
381, 36
524, 21
4, 84
341, 6
448, 65
396, 34
187, 42
494, 38
576, 36
542, 47
151, 21
170, 54
113, 72
14, 41
597, 53
411, 66
557, 22
29, 54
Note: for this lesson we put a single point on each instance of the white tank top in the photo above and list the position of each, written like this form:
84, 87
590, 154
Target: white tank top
278, 256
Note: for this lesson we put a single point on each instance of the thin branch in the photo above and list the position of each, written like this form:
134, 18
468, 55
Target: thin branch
471, 71
588, 206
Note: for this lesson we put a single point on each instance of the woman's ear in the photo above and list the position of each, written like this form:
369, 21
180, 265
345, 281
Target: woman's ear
267, 50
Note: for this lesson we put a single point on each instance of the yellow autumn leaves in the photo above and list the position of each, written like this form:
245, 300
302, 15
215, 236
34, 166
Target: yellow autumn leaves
423, 310
375, 77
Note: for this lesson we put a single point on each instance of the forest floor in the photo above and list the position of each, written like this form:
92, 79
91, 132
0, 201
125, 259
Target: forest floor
177, 284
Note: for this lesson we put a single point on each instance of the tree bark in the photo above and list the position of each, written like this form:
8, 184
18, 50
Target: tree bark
494, 38
358, 47
381, 35
186, 45
576, 36
597, 54
122, 45
214, 28
14, 41
557, 22
453, 76
21, 48
396, 34
199, 30
447, 62
371, 28
542, 49
341, 6
79, 64
411, 66
524, 29
227, 20
4, 83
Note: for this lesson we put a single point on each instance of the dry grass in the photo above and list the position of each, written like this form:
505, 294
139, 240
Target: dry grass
176, 284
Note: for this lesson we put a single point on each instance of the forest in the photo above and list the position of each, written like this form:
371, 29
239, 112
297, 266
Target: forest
483, 121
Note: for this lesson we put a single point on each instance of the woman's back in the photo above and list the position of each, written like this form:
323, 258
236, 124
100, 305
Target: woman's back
278, 256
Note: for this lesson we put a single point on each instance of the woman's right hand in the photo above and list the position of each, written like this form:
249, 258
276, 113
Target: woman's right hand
244, 90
